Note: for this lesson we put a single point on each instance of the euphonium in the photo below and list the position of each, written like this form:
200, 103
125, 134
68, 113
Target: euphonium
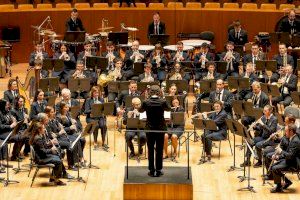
104, 79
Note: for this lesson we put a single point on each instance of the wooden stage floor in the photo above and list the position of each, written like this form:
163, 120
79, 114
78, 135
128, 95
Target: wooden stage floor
210, 181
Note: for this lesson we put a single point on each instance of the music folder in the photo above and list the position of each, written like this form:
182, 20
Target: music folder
178, 118
96, 62
207, 86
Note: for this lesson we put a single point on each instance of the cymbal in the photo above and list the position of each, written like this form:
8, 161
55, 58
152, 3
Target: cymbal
105, 28
48, 32
55, 35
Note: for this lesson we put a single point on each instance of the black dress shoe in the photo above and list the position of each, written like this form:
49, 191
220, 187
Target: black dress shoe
72, 168
131, 155
287, 184
159, 173
68, 176
151, 173
245, 164
268, 177
51, 180
60, 183
276, 189
258, 164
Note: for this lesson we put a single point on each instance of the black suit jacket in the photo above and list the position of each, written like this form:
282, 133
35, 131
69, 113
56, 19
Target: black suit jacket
32, 57
268, 128
209, 56
219, 119
18, 114
263, 100
74, 26
122, 97
292, 154
236, 60
8, 96
81, 55
35, 109
241, 40
161, 28
291, 84
279, 60
42, 147
227, 99
248, 58
285, 26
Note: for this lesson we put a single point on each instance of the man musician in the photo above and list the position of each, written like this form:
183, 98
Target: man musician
201, 60
74, 23
180, 55
237, 35
156, 27
148, 75
255, 55
291, 24
38, 54
155, 107
232, 58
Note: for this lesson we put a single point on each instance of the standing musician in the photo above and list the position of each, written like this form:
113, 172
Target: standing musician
110, 54
155, 107
232, 58
237, 35
291, 24
38, 54
288, 83
47, 152
156, 27
96, 99
74, 23
259, 100
148, 75
12, 91
249, 73
176, 107
219, 117
179, 55
201, 60
87, 51
133, 112
39, 104
159, 62
286, 160
283, 59
264, 128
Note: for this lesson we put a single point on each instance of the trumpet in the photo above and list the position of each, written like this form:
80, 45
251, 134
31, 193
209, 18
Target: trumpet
209, 76
178, 57
87, 53
133, 113
78, 74
64, 56
201, 114
110, 56
136, 56
148, 78
157, 60
39, 56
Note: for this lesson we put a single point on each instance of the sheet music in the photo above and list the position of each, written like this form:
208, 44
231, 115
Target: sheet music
143, 115
167, 114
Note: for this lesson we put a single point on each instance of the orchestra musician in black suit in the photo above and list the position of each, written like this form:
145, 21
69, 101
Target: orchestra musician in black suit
39, 104
111, 54
74, 23
156, 27
159, 62
201, 59
12, 91
223, 95
291, 24
148, 75
282, 60
248, 73
133, 112
286, 159
237, 35
211, 72
179, 55
208, 136
38, 54
87, 51
101, 121
155, 107
263, 128
232, 58
288, 83
255, 55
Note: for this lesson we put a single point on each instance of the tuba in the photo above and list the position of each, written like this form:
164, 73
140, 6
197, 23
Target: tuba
104, 79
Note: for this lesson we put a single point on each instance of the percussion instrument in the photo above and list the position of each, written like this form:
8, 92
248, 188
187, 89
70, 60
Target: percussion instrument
146, 47
195, 43
174, 47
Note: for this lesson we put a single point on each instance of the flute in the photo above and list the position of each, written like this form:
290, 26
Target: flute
197, 114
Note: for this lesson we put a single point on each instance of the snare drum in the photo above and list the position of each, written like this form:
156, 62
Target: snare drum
174, 48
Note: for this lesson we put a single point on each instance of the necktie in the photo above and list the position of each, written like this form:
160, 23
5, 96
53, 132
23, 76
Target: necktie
255, 100
219, 96
157, 31
237, 35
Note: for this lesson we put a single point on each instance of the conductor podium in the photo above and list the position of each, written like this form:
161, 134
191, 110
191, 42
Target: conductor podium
172, 185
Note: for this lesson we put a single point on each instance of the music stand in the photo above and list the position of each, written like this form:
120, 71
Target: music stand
96, 62
271, 65
298, 64
75, 111
73, 144
162, 39
49, 84
51, 100
75, 36
187, 66
206, 107
123, 85
79, 85
113, 86
280, 37
221, 67
138, 68
182, 85
295, 40
56, 65
207, 86
296, 97
118, 37
260, 65
142, 86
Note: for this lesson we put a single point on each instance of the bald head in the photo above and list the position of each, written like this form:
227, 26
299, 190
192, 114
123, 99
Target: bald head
220, 84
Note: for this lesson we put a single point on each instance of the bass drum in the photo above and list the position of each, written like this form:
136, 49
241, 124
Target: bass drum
3, 66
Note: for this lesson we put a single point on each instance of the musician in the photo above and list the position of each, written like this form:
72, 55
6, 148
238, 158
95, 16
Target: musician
221, 134
290, 24
179, 55
178, 74
39, 104
282, 59
259, 100
237, 35
288, 84
286, 160
101, 121
156, 27
87, 51
210, 73
172, 90
129, 2
12, 91
222, 95
178, 131
159, 62
132, 91
67, 99
249, 73
201, 60
155, 107
232, 58
38, 54
255, 55
148, 75
110, 54
47, 153
74, 23
132, 112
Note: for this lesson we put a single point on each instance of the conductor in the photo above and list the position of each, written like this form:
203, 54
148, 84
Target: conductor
155, 107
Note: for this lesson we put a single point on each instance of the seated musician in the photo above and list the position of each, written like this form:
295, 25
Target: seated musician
67, 99
12, 91
255, 55
179, 55
178, 74
172, 90
80, 73
39, 104
148, 75
221, 134
38, 54
132, 56
201, 60
69, 63
210, 73
47, 153
110, 54
132, 91
237, 35
159, 62
249, 73
156, 27
259, 100
87, 51
223, 95
101, 121
132, 112
74, 23
282, 60
291, 24
19, 112
232, 58
286, 160
176, 107
288, 83
264, 128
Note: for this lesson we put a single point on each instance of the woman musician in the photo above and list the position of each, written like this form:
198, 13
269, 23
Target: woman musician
12, 91
38, 105
178, 74
159, 62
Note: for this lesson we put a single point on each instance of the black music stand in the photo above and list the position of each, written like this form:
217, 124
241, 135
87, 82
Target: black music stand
75, 111
162, 39
113, 86
96, 62
118, 37
252, 111
271, 65
182, 85
221, 67
238, 83
187, 66
53, 65
79, 85
51, 100
75, 36
207, 86
138, 68
280, 37
123, 85
142, 86
296, 97
89, 129
49, 84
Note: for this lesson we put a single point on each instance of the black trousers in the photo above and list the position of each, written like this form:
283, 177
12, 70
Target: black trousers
210, 136
155, 140
255, 141
261, 145
101, 125
283, 99
130, 135
247, 120
277, 170
56, 161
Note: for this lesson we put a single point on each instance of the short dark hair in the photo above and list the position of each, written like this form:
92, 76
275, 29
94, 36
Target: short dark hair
219, 102
74, 10
292, 127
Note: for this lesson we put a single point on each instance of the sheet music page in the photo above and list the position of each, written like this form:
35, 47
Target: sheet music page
143, 116
167, 114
